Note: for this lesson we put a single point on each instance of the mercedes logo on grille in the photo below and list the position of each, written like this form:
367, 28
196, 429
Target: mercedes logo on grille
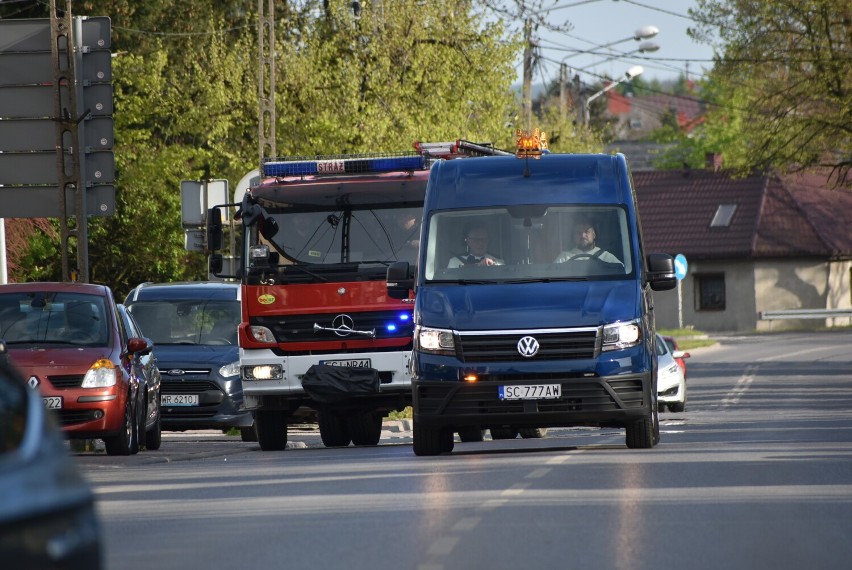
528, 346
343, 325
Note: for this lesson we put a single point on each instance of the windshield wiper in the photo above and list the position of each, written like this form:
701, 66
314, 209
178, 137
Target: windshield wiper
545, 280
463, 281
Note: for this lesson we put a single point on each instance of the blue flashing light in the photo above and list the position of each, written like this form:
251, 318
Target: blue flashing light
391, 327
351, 165
404, 316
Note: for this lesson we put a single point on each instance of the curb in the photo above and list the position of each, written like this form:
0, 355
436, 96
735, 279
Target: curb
397, 426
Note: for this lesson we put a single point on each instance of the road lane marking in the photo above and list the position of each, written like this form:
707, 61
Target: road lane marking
740, 388
538, 473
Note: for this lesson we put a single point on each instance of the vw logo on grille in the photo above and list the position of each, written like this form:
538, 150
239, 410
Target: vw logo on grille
343, 325
528, 346
176, 372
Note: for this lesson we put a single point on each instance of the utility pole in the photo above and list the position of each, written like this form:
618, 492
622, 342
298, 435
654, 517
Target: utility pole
527, 87
266, 80
563, 91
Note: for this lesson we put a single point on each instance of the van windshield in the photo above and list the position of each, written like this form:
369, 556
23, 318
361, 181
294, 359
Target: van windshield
528, 242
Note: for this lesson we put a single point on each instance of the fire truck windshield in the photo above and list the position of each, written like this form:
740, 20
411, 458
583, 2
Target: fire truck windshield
354, 235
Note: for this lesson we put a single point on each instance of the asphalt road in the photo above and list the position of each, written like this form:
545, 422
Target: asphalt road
756, 473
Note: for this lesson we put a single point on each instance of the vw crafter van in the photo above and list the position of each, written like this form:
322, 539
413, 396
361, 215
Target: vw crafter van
546, 328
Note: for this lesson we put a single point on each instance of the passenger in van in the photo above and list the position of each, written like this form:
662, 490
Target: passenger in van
585, 246
476, 241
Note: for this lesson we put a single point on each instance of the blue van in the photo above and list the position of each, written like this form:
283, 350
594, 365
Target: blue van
553, 325
193, 325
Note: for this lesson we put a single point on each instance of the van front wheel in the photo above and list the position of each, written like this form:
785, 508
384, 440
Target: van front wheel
640, 434
432, 441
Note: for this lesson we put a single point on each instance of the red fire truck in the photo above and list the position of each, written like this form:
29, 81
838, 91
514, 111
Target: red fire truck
319, 335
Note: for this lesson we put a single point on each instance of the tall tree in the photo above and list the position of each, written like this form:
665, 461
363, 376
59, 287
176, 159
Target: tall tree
782, 83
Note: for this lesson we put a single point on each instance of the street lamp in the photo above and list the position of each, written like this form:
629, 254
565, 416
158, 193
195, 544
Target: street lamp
634, 71
644, 47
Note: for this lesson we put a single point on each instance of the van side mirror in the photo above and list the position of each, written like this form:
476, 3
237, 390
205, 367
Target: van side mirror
399, 281
215, 233
661, 273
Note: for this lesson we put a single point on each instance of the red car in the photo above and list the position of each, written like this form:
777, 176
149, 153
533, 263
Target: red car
87, 358
677, 353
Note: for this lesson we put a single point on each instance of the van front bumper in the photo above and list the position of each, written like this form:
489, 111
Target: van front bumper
588, 401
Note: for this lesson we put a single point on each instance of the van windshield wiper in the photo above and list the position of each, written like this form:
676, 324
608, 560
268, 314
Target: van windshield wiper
464, 281
544, 280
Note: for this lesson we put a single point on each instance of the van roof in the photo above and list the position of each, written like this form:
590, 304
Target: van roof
554, 178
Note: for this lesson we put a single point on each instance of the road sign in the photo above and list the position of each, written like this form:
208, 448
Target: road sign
193, 206
680, 266
17, 168
43, 201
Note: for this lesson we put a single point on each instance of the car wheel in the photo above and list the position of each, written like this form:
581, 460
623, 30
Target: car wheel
471, 434
334, 429
365, 428
154, 436
271, 429
123, 442
533, 433
248, 433
431, 441
504, 433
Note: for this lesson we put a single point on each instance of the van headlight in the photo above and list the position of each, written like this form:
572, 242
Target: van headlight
434, 341
263, 372
617, 336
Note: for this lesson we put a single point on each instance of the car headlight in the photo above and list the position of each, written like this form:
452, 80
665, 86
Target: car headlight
263, 372
102, 374
435, 341
621, 335
232, 369
262, 334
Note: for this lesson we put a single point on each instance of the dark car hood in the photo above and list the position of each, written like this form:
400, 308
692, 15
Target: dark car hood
185, 355
528, 305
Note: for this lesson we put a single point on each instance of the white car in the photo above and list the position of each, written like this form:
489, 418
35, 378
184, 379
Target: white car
671, 385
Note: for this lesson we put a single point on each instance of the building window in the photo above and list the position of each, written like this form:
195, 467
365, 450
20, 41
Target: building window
710, 292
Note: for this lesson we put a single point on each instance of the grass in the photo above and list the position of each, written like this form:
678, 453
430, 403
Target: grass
688, 338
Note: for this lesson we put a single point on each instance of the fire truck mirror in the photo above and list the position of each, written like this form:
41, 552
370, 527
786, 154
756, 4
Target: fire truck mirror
399, 281
215, 233
268, 228
214, 264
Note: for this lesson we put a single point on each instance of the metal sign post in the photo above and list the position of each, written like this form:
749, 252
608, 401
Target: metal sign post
680, 272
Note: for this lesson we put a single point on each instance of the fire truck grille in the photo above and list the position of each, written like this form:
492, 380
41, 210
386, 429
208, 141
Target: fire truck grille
339, 326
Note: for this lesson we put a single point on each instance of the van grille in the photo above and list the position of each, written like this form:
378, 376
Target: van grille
503, 347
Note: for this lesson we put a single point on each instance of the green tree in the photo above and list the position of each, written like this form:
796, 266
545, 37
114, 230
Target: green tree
782, 84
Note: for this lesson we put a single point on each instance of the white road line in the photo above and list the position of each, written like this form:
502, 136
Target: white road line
740, 388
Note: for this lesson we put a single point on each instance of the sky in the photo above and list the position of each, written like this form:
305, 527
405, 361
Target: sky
599, 22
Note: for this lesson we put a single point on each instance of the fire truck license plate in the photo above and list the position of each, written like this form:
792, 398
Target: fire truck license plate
52, 402
352, 363
531, 392
179, 399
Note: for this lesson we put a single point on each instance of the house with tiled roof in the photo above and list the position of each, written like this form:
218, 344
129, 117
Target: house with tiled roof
638, 115
754, 244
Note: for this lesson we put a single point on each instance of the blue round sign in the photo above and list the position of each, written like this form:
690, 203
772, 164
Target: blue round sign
680, 266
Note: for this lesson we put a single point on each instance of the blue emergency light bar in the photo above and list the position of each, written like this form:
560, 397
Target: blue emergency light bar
350, 164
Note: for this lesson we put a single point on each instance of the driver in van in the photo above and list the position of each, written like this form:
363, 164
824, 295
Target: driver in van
476, 239
585, 236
